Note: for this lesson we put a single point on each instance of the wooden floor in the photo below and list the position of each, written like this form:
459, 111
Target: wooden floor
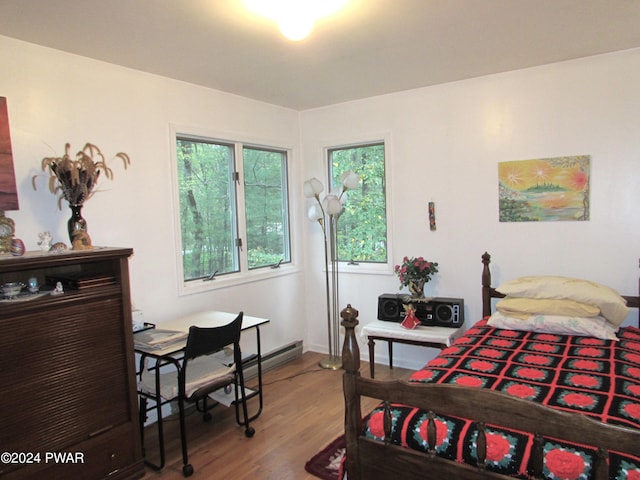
303, 412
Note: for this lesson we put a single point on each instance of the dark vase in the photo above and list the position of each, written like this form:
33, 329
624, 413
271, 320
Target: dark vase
76, 222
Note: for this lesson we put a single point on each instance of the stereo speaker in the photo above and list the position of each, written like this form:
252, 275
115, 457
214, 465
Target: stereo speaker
438, 311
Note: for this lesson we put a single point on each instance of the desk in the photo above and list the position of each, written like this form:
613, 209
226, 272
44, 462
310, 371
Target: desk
168, 352
207, 319
435, 337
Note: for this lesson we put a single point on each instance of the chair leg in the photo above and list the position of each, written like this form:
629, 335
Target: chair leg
187, 469
206, 416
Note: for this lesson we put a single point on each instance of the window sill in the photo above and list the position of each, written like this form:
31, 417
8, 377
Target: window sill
236, 279
365, 268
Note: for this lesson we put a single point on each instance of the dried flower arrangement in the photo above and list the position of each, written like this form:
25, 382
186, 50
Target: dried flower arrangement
74, 179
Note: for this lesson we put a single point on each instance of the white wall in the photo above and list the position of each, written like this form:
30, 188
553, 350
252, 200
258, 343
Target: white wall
54, 98
445, 144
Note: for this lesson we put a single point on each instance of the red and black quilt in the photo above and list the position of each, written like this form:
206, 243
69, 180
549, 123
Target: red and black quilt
599, 378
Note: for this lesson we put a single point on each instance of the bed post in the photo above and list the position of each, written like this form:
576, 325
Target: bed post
486, 285
351, 366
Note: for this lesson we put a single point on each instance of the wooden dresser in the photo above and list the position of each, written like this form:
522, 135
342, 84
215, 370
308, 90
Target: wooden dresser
68, 407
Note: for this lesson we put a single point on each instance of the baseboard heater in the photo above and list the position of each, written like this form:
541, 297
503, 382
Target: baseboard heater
273, 359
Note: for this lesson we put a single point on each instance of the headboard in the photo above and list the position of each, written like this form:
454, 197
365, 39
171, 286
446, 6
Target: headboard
488, 292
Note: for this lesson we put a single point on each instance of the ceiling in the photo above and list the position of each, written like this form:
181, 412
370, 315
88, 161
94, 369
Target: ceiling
372, 47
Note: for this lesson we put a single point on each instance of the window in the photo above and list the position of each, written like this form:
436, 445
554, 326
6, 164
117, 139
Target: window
362, 227
211, 223
266, 206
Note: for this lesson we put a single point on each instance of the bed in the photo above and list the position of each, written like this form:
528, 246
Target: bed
582, 424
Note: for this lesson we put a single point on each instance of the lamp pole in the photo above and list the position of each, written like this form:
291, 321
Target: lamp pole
333, 361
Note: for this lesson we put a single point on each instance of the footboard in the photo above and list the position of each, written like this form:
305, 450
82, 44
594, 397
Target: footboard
367, 459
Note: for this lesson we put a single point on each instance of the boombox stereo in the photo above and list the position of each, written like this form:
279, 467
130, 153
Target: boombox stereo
438, 311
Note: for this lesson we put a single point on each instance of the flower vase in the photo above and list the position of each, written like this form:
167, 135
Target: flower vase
416, 288
76, 222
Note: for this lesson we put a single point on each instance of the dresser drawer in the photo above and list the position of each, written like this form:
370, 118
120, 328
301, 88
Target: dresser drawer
107, 455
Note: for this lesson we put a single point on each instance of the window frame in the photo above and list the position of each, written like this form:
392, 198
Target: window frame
244, 275
286, 199
368, 268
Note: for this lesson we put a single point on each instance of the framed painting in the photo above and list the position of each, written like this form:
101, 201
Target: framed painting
545, 189
8, 190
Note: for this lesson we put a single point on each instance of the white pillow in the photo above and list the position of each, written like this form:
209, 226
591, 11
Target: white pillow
612, 306
597, 327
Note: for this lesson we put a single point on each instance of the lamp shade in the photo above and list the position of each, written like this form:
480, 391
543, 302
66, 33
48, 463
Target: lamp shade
8, 190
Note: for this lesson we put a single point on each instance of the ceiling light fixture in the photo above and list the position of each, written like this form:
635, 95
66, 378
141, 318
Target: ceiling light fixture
295, 18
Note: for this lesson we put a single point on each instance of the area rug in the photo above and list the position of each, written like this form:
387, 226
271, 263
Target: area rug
328, 463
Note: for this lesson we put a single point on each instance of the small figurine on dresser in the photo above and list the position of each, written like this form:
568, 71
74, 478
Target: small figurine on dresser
59, 290
17, 247
34, 286
81, 240
58, 247
44, 241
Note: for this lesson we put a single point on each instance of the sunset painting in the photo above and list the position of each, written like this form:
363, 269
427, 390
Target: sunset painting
547, 189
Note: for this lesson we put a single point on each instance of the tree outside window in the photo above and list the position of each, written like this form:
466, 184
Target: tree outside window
265, 191
362, 227
209, 184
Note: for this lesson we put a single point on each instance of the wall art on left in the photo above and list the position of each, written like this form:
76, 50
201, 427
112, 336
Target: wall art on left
8, 190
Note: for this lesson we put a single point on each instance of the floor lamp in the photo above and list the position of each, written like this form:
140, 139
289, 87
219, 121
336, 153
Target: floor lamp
326, 212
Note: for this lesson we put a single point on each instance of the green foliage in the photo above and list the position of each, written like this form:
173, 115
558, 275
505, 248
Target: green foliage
266, 208
514, 210
362, 227
207, 216
208, 210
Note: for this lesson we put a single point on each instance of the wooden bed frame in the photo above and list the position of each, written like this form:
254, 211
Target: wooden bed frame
369, 459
